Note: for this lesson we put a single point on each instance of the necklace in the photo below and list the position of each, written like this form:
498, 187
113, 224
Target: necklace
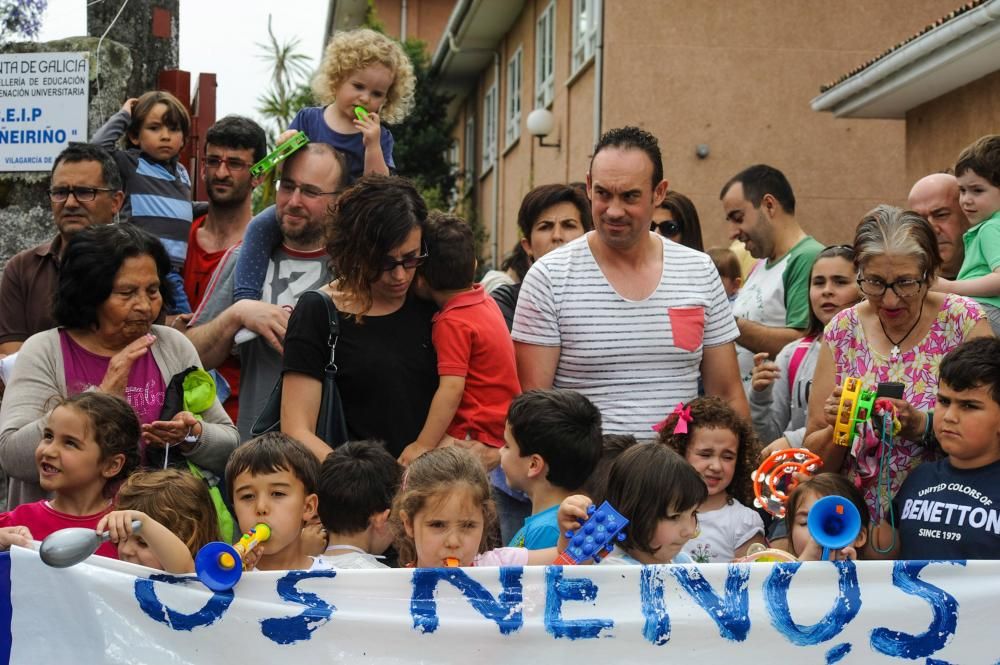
895, 344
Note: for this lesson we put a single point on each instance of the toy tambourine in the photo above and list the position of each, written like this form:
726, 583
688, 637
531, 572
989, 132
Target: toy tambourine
775, 478
855, 408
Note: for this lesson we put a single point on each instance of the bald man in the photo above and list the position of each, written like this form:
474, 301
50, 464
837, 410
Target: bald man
935, 198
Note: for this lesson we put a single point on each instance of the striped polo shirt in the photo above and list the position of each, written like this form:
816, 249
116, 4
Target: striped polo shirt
634, 359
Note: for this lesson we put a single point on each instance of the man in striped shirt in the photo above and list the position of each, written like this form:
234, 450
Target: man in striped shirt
624, 316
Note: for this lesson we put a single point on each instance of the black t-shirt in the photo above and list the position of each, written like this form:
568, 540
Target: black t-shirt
386, 367
948, 513
505, 296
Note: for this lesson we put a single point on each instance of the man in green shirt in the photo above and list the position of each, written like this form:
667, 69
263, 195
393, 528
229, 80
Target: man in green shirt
772, 308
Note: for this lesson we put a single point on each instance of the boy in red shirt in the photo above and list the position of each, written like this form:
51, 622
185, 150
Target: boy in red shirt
478, 373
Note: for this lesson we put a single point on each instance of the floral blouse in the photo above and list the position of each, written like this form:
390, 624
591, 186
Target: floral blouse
916, 368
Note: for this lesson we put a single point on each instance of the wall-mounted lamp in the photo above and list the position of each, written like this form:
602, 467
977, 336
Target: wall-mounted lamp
540, 124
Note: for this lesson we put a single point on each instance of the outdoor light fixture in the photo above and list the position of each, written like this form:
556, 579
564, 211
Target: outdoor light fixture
540, 124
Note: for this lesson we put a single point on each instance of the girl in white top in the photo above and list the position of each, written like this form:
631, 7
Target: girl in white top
779, 398
719, 444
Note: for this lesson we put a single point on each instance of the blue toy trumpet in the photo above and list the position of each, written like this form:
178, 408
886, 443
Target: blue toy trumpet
834, 523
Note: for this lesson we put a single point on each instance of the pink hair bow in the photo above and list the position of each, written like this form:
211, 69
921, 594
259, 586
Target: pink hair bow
683, 414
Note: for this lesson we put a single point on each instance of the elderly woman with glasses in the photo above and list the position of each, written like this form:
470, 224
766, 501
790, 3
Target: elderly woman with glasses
386, 365
899, 334
677, 219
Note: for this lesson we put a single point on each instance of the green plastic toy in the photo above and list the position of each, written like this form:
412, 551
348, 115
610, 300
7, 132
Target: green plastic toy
280, 154
360, 113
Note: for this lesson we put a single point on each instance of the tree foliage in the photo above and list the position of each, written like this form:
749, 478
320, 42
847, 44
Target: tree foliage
21, 18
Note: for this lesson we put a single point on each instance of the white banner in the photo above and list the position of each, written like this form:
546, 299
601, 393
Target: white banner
107, 611
43, 106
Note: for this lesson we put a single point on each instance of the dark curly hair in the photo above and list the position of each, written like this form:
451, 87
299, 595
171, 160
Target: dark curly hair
90, 264
371, 219
632, 138
715, 413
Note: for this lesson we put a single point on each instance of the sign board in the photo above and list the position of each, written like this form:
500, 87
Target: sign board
43, 106
105, 611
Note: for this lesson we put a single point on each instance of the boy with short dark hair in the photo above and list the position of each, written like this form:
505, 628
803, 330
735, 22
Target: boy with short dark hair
978, 174
357, 483
272, 479
478, 372
950, 508
552, 445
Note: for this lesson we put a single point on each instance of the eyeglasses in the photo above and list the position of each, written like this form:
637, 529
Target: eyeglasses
82, 194
234, 165
904, 288
310, 192
667, 228
409, 263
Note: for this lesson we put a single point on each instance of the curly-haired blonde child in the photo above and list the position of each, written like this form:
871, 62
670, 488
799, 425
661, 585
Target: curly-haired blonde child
177, 516
719, 444
361, 68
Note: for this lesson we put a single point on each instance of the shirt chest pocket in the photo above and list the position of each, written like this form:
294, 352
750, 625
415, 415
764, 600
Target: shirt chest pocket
687, 325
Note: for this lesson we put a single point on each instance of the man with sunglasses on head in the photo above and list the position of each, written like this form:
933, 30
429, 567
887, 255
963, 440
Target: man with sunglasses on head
772, 307
308, 185
85, 190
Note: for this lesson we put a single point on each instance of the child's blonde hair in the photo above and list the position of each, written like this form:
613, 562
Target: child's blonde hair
353, 50
429, 479
175, 499
715, 413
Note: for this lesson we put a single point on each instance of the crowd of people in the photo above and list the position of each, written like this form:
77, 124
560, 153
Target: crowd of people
422, 418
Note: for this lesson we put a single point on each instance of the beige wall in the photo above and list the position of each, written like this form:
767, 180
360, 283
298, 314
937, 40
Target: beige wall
736, 76
936, 132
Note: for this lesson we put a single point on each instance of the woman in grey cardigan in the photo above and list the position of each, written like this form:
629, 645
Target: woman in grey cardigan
112, 286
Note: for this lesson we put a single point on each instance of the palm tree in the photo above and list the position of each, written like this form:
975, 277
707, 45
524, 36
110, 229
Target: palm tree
288, 92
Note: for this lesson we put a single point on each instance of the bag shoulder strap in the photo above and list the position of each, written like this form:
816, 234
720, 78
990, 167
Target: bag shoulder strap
797, 357
334, 319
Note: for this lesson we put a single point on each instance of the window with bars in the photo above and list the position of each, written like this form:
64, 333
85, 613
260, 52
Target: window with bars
545, 57
489, 128
584, 32
512, 129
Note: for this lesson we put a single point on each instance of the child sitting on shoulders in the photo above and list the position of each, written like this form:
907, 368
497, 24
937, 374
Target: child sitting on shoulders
801, 500
719, 444
357, 483
177, 516
272, 479
361, 68
947, 509
444, 513
552, 444
978, 174
478, 373
157, 186
90, 443
659, 493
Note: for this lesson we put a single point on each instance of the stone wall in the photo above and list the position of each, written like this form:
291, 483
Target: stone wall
25, 219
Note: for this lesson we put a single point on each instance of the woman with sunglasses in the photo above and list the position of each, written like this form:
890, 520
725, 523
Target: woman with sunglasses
898, 334
386, 366
677, 219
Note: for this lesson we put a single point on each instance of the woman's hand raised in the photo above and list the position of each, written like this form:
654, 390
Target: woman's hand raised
116, 376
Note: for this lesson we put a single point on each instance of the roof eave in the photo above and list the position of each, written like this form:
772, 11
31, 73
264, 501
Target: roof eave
939, 61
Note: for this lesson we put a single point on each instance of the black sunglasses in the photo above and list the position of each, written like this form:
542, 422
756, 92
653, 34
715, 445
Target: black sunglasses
667, 228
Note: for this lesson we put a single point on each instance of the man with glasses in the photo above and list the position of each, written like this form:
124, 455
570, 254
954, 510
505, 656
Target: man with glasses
232, 146
772, 307
85, 189
309, 183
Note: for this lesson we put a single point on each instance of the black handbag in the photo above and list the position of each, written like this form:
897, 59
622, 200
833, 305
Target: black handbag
331, 426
